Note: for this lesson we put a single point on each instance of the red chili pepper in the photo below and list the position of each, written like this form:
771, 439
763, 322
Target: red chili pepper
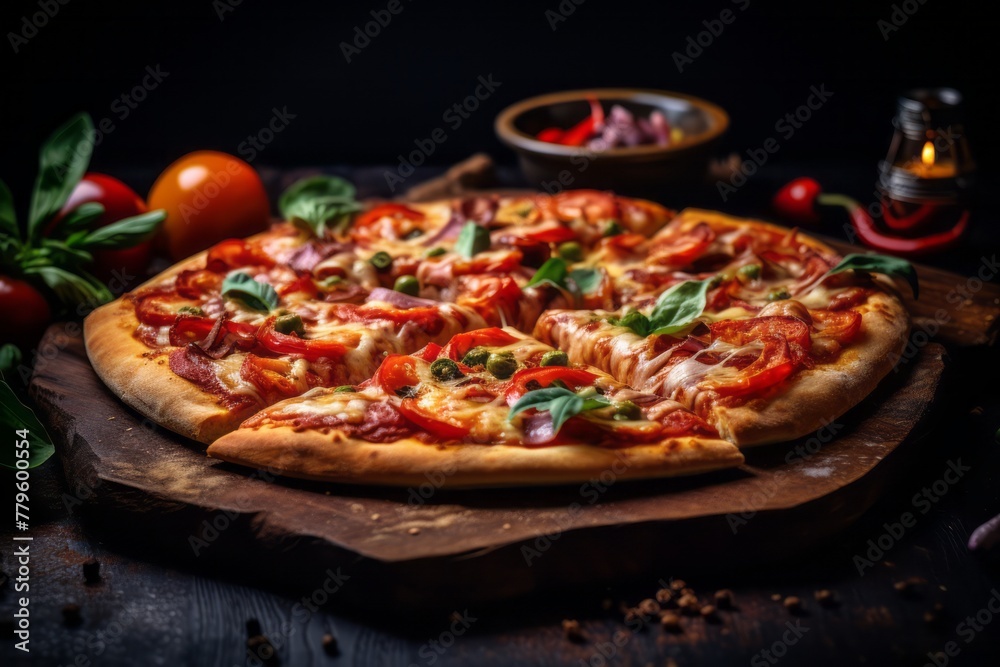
904, 222
872, 236
550, 134
580, 133
797, 200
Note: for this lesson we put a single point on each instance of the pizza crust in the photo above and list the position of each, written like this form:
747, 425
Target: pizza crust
335, 457
143, 380
816, 397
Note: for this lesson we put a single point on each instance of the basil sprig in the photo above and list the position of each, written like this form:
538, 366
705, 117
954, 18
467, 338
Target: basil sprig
555, 271
472, 240
58, 255
16, 417
559, 402
884, 264
319, 203
675, 309
255, 294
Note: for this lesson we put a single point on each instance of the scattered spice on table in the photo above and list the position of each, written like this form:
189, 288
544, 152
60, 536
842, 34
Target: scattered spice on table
71, 614
671, 622
793, 604
724, 598
825, 597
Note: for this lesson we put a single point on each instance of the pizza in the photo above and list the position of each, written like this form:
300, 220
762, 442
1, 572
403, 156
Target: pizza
507, 339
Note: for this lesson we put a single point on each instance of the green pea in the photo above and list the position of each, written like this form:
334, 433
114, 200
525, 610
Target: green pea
570, 251
445, 369
407, 285
289, 324
190, 310
343, 389
779, 294
612, 228
501, 364
328, 283
435, 252
554, 358
477, 356
750, 271
626, 411
381, 260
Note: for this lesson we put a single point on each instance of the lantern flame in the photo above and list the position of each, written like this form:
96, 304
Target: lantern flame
927, 154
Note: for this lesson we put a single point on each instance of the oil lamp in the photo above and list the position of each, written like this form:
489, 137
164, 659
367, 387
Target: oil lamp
926, 179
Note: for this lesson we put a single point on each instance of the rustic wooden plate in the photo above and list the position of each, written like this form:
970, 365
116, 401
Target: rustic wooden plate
421, 546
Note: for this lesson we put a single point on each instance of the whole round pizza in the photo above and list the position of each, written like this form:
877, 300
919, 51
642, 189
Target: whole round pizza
505, 340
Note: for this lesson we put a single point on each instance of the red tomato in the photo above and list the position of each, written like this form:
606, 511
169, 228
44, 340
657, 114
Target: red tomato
548, 233
841, 325
236, 254
311, 349
119, 202
396, 370
270, 376
460, 344
546, 375
160, 310
26, 313
683, 250
432, 422
208, 196
399, 221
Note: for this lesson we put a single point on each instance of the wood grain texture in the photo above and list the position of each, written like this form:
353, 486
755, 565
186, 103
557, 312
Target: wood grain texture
297, 534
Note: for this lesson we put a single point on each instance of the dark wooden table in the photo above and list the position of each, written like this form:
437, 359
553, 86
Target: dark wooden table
146, 610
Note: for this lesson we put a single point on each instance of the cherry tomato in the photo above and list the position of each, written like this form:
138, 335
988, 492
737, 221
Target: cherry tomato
208, 196
386, 221
396, 371
119, 202
26, 313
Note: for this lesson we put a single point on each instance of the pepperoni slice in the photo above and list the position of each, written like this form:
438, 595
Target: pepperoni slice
193, 284
269, 376
590, 205
386, 221
840, 325
489, 295
160, 310
682, 250
234, 254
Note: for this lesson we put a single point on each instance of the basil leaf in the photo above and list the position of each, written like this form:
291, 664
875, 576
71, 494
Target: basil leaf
125, 233
587, 280
8, 218
679, 306
559, 402
62, 163
256, 295
10, 356
16, 416
314, 202
635, 321
884, 264
79, 218
72, 288
552, 272
472, 240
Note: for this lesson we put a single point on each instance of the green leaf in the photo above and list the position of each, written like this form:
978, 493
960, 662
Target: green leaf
16, 416
559, 402
8, 218
256, 295
587, 280
313, 203
679, 306
884, 264
62, 163
125, 233
472, 240
72, 288
60, 253
10, 357
552, 272
78, 219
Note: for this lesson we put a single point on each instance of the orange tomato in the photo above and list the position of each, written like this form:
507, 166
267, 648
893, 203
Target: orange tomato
208, 196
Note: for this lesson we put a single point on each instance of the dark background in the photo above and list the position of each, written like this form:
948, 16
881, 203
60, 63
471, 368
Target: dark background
226, 75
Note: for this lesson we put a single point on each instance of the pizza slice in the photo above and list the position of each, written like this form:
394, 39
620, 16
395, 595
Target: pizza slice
492, 407
210, 342
743, 323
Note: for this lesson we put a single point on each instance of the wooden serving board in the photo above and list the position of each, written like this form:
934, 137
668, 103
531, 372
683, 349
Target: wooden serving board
424, 546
